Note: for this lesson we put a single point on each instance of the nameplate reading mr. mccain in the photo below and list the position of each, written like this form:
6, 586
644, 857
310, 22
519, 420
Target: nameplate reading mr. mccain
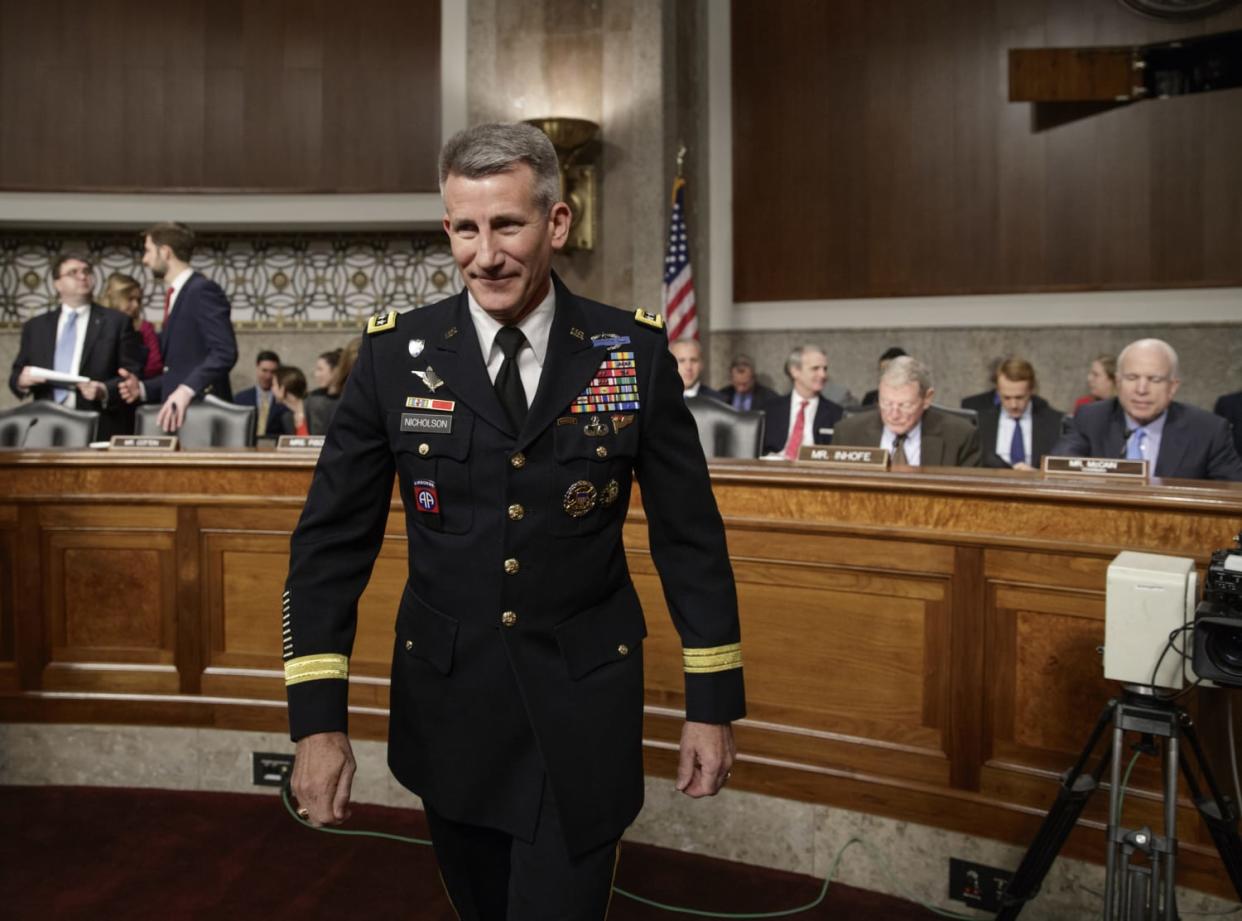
1095, 466
145, 442
299, 443
845, 456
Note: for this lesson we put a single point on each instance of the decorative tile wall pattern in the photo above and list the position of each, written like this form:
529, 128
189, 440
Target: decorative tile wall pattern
288, 280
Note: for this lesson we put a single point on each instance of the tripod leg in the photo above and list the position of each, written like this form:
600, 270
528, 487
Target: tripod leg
1218, 811
1076, 788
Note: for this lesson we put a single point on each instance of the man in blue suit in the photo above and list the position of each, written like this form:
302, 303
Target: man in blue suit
1229, 408
1144, 423
804, 416
268, 410
197, 338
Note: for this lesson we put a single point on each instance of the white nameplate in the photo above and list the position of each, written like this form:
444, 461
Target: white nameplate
1095, 466
299, 443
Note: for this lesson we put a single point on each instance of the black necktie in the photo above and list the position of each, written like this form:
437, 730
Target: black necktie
508, 381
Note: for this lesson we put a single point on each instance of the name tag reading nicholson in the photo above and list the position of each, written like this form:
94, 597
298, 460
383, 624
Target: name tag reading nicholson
845, 456
1095, 466
426, 422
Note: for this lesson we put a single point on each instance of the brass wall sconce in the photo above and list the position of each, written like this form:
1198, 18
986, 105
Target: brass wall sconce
579, 181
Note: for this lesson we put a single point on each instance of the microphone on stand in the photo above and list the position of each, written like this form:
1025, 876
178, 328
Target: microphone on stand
1125, 442
21, 442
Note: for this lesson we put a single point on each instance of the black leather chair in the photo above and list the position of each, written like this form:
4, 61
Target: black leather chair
44, 424
970, 414
209, 423
725, 431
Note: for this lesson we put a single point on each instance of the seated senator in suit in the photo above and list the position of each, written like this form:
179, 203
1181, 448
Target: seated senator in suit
1144, 422
1017, 433
804, 416
1229, 407
82, 338
689, 355
896, 351
269, 411
906, 424
744, 392
990, 399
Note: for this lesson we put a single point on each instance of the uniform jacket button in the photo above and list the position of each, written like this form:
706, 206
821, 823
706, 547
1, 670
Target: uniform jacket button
518, 460
516, 512
623, 649
512, 566
508, 618
409, 645
424, 449
601, 451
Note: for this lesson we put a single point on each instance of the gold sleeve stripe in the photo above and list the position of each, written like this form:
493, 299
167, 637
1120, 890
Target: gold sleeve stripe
316, 668
712, 659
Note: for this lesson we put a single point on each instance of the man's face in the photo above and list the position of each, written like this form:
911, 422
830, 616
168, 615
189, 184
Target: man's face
810, 376
155, 257
742, 377
902, 407
689, 362
264, 371
502, 241
1014, 395
1144, 384
75, 283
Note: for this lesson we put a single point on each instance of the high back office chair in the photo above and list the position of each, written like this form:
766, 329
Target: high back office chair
725, 431
44, 424
209, 423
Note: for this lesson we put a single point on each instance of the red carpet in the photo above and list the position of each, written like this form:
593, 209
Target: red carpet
106, 853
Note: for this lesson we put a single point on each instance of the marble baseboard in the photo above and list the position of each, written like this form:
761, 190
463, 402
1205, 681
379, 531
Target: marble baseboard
893, 857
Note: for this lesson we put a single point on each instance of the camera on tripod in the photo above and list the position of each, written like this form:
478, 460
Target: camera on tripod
1151, 610
1218, 620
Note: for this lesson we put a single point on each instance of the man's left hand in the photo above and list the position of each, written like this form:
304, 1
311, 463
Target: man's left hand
707, 753
92, 390
172, 413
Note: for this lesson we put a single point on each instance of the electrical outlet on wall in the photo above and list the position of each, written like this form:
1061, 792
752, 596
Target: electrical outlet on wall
976, 884
271, 768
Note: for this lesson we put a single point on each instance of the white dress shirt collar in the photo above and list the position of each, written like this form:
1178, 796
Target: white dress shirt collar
177, 284
536, 326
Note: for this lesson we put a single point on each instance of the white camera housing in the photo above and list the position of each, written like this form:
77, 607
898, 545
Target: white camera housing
1149, 596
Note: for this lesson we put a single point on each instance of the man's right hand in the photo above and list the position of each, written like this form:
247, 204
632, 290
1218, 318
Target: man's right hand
26, 380
130, 391
323, 774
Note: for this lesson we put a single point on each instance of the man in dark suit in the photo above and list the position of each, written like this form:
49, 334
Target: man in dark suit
1229, 407
990, 399
804, 416
1144, 423
196, 339
80, 338
1017, 433
896, 351
269, 411
514, 416
689, 356
744, 392
906, 424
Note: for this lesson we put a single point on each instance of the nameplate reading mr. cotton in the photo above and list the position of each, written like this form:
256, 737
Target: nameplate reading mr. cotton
1095, 466
426, 422
145, 442
845, 456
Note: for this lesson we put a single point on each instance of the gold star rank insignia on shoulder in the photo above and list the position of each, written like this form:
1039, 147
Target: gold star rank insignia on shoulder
654, 320
382, 323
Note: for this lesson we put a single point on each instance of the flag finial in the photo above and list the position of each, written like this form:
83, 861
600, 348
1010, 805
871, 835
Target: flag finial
681, 157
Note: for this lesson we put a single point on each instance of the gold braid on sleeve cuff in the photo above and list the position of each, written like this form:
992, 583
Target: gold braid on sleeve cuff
712, 659
315, 668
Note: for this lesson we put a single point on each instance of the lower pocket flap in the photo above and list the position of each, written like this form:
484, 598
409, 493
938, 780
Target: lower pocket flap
425, 633
608, 632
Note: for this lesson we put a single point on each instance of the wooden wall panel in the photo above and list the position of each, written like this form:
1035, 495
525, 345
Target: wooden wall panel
277, 95
8, 585
876, 154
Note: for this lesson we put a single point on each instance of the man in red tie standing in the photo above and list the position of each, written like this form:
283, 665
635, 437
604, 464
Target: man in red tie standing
804, 416
196, 339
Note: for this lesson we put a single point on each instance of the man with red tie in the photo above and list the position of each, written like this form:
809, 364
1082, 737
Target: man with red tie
804, 416
196, 339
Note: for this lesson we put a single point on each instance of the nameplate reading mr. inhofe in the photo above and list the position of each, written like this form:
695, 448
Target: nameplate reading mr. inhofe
426, 422
845, 456
1095, 466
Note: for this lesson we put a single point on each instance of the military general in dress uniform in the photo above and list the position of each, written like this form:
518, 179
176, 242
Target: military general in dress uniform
515, 417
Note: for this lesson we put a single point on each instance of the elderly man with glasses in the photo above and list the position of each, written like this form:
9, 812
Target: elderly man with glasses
907, 425
1144, 422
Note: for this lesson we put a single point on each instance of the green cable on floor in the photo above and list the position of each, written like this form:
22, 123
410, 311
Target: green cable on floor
680, 909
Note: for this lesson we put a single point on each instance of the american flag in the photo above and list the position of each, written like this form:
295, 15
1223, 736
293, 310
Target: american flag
679, 310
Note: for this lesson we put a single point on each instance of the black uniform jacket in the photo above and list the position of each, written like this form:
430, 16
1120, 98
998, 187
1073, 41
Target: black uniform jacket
519, 634
111, 344
1195, 444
